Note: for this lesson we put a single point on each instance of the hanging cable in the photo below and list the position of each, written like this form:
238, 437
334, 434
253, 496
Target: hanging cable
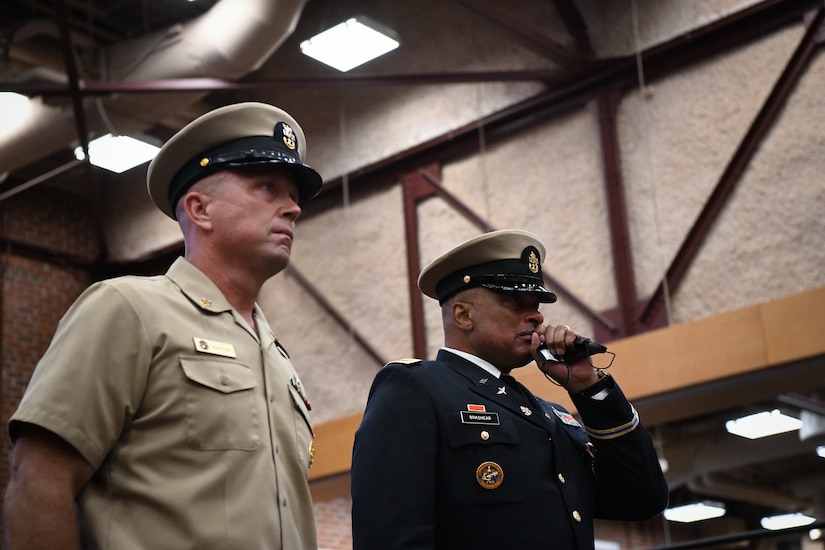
482, 150
644, 94
342, 128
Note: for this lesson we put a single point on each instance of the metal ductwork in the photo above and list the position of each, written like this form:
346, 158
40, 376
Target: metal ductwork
232, 39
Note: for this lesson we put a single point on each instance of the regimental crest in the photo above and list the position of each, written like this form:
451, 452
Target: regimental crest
489, 475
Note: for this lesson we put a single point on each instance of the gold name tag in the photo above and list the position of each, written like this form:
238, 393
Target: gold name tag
215, 348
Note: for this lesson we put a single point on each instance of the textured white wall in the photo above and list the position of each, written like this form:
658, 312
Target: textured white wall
675, 141
657, 21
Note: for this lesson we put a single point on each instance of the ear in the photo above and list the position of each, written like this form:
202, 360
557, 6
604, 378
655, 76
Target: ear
462, 314
196, 207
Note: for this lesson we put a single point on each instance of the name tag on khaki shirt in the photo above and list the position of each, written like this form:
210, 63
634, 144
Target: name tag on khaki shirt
215, 348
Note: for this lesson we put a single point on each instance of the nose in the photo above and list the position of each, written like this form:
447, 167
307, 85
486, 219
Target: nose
291, 210
536, 318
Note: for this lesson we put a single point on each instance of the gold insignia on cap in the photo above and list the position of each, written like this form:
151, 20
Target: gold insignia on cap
204, 161
533, 263
466, 278
489, 475
289, 136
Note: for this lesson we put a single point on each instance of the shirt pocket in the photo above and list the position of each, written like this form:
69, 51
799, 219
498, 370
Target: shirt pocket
220, 405
473, 450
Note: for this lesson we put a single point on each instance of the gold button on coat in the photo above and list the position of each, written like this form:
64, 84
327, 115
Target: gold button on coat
561, 478
577, 516
485, 435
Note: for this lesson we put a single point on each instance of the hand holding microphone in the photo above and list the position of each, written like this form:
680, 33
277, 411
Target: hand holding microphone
582, 347
561, 359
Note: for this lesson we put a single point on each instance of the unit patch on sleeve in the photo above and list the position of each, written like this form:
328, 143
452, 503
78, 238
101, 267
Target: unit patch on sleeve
567, 418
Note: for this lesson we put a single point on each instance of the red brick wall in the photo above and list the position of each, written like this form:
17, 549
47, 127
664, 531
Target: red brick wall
334, 524
52, 219
35, 296
631, 535
40, 228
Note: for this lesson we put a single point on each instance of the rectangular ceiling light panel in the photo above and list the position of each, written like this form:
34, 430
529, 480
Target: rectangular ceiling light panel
697, 511
763, 424
350, 44
118, 153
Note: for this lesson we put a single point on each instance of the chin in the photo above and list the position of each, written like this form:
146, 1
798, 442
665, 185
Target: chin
274, 264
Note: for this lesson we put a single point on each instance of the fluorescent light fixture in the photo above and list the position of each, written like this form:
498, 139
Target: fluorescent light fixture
815, 534
820, 451
118, 153
763, 424
698, 511
786, 521
350, 44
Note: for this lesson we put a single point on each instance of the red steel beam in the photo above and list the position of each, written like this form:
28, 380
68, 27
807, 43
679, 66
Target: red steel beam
415, 189
608, 105
737, 165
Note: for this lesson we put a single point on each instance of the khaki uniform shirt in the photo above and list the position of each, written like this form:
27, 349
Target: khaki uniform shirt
197, 427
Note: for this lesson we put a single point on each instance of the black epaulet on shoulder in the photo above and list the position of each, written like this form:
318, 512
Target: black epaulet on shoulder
408, 362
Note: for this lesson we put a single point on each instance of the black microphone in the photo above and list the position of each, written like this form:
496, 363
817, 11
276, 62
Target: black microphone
582, 347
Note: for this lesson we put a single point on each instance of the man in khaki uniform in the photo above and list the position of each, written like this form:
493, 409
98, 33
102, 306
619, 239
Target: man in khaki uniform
165, 413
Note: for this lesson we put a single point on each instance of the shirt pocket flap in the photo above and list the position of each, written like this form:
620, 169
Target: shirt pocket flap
222, 376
